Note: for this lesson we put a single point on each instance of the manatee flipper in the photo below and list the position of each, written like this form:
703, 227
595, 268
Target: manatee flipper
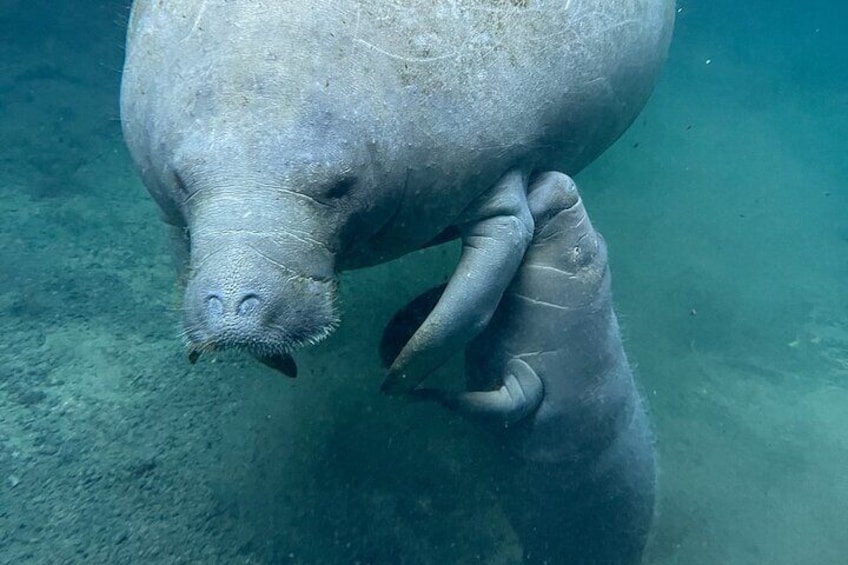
495, 230
518, 397
405, 322
283, 363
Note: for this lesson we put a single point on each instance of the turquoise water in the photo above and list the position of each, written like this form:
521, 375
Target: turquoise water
724, 207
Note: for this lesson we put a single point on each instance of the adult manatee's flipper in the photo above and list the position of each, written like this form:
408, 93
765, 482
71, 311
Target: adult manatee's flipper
495, 231
521, 392
406, 322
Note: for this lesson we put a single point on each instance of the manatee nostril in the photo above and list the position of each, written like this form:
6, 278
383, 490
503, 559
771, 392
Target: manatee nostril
214, 305
248, 305
218, 307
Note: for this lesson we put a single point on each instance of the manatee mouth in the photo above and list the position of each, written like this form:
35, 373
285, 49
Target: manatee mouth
268, 315
282, 362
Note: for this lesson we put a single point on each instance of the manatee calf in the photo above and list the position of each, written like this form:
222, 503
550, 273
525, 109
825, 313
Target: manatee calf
286, 141
550, 375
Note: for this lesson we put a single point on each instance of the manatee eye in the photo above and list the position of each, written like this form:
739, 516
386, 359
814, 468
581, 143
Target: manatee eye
583, 251
576, 256
181, 185
340, 187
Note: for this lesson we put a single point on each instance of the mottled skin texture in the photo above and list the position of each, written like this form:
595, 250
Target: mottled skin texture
550, 376
285, 141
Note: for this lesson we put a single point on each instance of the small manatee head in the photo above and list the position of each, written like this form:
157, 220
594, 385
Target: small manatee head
565, 240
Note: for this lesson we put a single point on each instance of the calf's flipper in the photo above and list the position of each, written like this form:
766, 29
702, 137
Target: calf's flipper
519, 396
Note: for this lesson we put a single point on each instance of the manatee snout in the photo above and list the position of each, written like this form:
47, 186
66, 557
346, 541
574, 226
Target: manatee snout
241, 299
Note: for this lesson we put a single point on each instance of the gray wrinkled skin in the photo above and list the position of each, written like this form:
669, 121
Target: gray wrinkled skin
550, 375
285, 141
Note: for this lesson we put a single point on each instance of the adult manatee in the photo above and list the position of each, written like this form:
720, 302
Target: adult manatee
287, 140
549, 374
